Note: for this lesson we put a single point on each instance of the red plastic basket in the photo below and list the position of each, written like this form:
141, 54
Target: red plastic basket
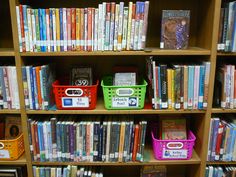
74, 97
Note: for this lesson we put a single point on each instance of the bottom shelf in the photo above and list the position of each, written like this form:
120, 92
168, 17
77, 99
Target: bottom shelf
148, 160
20, 161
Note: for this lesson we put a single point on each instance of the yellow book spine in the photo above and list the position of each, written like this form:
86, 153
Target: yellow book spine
129, 26
78, 24
121, 144
58, 30
169, 87
173, 88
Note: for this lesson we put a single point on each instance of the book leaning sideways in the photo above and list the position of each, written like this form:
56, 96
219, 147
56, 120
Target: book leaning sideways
175, 29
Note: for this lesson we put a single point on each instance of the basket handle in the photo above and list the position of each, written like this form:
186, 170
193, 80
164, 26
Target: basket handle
74, 92
1, 145
175, 145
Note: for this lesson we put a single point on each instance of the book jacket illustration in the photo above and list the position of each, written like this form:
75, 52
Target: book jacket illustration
175, 29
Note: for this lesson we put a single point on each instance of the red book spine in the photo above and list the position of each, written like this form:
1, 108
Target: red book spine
136, 139
89, 41
36, 140
73, 28
22, 29
93, 28
218, 141
33, 140
82, 29
69, 47
37, 69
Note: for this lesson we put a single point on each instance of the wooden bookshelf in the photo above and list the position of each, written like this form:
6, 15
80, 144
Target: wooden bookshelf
205, 15
221, 163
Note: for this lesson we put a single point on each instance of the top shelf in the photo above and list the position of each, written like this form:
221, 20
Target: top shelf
7, 52
149, 51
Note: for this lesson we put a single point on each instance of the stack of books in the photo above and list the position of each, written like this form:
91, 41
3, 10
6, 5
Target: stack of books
110, 141
222, 137
70, 171
178, 86
111, 26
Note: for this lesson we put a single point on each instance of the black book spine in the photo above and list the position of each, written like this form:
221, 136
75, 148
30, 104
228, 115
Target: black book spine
181, 87
96, 136
100, 143
163, 76
104, 141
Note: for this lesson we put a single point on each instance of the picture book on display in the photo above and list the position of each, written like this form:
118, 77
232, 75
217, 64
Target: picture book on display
12, 127
173, 129
153, 171
175, 29
81, 76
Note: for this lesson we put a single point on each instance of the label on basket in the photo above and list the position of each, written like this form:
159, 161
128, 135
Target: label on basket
174, 154
4, 154
124, 102
75, 102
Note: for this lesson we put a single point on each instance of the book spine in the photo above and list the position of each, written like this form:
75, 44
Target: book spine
22, 31
82, 30
86, 29
234, 101
93, 27
144, 127
104, 141
78, 29
120, 26
228, 85
164, 84
48, 38
96, 128
58, 141
15, 89
45, 137
40, 20
65, 33
89, 41
141, 24
58, 29
145, 25
99, 33
54, 27
173, 88
215, 131
129, 26
159, 91
44, 29
91, 142
136, 28
25, 87
73, 28
181, 87
107, 26
108, 140
35, 88
169, 87
185, 83
132, 27
96, 29
201, 87
218, 141
126, 142
34, 33
100, 150
69, 27
29, 121
29, 10
26, 30
51, 41
103, 25
196, 87
37, 29
206, 84
61, 29
136, 138
190, 86
125, 28
177, 87
63, 140
19, 28
121, 141
54, 138
112, 26
10, 83
132, 141
117, 11
7, 88
155, 84
112, 142
232, 69
117, 138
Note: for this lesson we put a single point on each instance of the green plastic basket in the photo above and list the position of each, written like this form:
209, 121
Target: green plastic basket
123, 97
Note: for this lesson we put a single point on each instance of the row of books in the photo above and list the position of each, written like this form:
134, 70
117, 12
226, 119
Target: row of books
224, 171
69, 171
37, 85
10, 127
111, 26
178, 86
225, 87
110, 141
222, 137
227, 30
9, 94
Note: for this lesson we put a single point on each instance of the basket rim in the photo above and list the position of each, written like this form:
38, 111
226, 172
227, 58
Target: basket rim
19, 137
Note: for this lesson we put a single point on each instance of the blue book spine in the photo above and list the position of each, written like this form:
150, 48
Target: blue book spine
215, 132
49, 140
232, 144
26, 91
40, 141
159, 86
58, 126
42, 172
51, 30
201, 87
35, 89
26, 30
63, 142
229, 140
4, 94
32, 87
71, 136
44, 30
232, 46
40, 14
61, 29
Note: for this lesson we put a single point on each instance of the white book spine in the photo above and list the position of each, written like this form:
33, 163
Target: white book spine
196, 87
91, 141
228, 83
125, 28
108, 140
11, 86
133, 21
120, 26
136, 27
34, 30
96, 30
54, 27
65, 29
48, 42
232, 87
141, 24
100, 26
45, 137
103, 25
117, 11
93, 28
129, 25
19, 28
16, 91
30, 29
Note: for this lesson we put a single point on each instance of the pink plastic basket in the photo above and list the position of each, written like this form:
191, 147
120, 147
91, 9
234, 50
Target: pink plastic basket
173, 149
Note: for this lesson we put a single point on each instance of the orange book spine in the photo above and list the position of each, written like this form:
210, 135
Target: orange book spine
78, 28
136, 139
73, 28
121, 144
89, 42
37, 69
22, 29
82, 30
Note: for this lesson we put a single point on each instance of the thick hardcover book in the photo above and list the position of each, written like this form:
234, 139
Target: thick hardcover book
175, 29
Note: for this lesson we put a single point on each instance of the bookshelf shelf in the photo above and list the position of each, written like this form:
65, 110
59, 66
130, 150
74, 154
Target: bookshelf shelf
148, 160
150, 51
221, 163
226, 54
9, 111
219, 110
20, 161
5, 52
